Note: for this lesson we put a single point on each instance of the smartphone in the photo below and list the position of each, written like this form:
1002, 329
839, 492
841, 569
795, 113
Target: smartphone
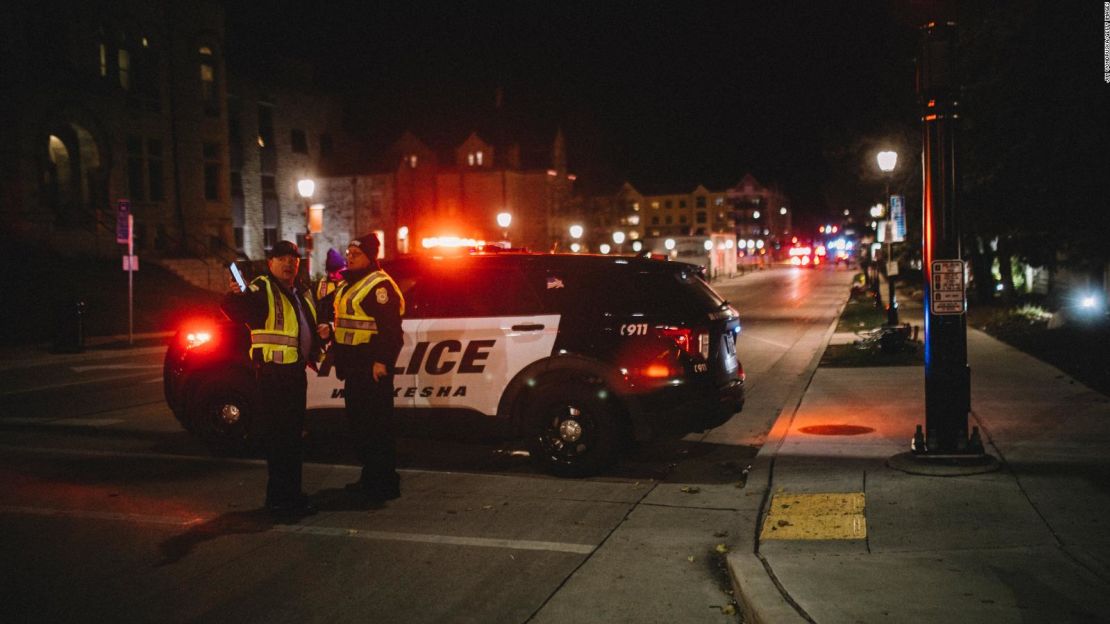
238, 275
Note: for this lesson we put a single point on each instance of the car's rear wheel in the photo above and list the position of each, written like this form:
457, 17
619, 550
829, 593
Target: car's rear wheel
573, 429
221, 413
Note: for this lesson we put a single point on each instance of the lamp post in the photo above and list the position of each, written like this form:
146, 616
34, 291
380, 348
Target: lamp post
873, 273
306, 187
887, 161
575, 233
503, 221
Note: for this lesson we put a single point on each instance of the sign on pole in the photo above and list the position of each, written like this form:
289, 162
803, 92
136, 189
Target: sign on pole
123, 223
948, 287
898, 215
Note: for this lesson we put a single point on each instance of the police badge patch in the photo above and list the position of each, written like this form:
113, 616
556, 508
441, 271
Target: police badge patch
381, 295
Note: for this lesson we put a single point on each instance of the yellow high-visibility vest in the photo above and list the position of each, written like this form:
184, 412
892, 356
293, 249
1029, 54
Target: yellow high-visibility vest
279, 337
324, 288
352, 325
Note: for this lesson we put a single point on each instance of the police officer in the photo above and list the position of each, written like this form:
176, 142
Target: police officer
282, 320
367, 312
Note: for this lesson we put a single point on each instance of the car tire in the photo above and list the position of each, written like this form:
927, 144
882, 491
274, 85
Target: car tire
572, 429
220, 413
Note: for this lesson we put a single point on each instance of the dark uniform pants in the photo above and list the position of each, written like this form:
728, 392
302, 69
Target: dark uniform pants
282, 389
370, 414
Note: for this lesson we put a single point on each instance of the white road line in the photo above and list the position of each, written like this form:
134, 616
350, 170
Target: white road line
341, 532
83, 369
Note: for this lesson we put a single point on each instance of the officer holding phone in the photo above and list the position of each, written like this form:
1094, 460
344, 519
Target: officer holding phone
282, 320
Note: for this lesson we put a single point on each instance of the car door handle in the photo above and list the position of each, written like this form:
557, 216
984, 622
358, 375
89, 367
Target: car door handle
530, 327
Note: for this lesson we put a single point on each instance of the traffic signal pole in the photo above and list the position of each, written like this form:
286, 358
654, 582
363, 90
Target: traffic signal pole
947, 375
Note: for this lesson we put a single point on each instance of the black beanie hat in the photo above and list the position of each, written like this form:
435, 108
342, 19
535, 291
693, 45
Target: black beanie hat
368, 243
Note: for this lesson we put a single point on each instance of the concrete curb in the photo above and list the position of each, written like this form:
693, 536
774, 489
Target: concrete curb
763, 599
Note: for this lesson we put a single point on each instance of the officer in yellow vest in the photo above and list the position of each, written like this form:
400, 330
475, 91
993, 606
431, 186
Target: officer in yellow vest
284, 334
367, 312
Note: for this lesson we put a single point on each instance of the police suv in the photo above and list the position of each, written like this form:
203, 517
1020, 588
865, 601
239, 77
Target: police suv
578, 355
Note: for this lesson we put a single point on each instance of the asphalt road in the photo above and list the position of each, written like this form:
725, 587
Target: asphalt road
109, 511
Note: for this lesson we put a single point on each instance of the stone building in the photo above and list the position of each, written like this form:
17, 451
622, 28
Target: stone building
115, 100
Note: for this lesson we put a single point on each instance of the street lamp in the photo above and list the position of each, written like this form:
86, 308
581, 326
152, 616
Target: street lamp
576, 231
887, 161
503, 220
306, 187
618, 239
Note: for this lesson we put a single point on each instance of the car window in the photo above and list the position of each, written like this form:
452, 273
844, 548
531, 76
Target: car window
473, 289
626, 290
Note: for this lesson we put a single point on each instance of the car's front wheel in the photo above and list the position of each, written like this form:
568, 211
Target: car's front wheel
573, 429
221, 411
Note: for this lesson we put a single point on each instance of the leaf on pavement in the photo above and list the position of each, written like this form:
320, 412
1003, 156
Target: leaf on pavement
721, 548
689, 489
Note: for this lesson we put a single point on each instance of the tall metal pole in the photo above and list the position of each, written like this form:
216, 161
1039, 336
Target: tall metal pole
947, 375
892, 302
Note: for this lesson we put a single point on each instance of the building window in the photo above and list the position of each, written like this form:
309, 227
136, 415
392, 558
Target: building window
720, 201
699, 202
655, 220
413, 161
700, 217
103, 60
298, 141
123, 57
682, 219
682, 203
212, 171
208, 93
265, 126
236, 183
655, 205
669, 220
270, 212
667, 204
478, 157
326, 146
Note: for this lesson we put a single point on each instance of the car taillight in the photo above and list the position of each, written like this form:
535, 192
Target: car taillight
692, 342
197, 338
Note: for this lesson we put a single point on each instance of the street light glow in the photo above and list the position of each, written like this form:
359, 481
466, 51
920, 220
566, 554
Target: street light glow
504, 219
575, 247
637, 246
604, 248
782, 210
306, 187
755, 215
618, 237
887, 160
668, 244
576, 231
709, 245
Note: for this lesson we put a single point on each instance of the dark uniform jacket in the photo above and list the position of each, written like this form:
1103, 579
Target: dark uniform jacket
252, 307
385, 345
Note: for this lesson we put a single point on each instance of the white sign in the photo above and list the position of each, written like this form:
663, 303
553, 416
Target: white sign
947, 296
898, 216
130, 263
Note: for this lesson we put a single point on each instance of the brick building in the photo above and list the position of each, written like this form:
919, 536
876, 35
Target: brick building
415, 193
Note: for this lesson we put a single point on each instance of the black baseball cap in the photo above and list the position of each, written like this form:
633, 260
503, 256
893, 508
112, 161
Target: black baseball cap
283, 248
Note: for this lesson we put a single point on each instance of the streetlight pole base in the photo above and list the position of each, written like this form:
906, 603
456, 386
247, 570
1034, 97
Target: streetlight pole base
971, 459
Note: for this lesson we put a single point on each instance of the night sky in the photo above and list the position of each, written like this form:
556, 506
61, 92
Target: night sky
665, 94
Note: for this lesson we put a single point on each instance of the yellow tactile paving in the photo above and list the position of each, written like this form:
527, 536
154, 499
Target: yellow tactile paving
829, 516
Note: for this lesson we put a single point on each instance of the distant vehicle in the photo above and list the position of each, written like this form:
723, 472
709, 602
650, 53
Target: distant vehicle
576, 354
805, 256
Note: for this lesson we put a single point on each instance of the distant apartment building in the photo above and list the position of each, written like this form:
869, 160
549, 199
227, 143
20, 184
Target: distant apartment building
747, 209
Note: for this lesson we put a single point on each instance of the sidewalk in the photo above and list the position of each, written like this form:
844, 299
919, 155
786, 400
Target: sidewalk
96, 348
843, 537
